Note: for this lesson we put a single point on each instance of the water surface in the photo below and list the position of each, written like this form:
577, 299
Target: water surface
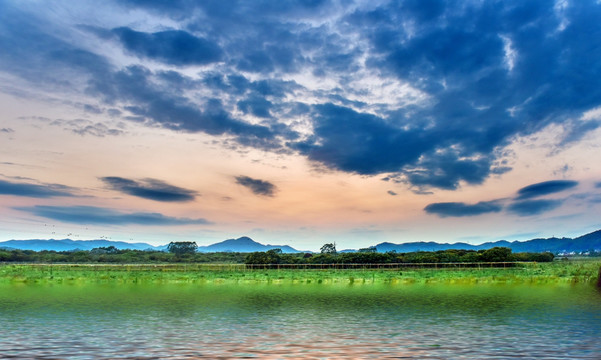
299, 321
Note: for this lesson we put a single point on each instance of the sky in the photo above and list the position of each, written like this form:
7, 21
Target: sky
300, 122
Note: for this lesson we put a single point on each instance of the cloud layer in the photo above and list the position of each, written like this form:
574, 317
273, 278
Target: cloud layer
545, 188
258, 187
458, 209
533, 207
105, 216
152, 189
34, 190
522, 205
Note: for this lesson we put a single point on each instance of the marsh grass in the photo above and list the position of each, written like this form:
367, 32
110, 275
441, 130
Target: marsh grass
581, 271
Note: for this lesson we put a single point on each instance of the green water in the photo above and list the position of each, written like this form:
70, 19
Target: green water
299, 321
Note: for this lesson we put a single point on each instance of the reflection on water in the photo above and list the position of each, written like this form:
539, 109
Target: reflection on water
299, 321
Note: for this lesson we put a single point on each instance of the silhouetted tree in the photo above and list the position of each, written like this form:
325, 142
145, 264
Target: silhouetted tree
328, 248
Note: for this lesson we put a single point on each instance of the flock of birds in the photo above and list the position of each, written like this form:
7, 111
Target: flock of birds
73, 235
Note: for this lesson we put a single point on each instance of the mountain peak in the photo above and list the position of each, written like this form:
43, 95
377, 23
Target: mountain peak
245, 240
243, 244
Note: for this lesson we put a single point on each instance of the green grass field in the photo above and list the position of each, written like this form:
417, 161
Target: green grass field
566, 272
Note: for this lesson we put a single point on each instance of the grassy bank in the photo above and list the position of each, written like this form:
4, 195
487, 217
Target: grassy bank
582, 271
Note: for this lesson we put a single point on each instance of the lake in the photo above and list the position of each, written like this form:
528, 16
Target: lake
316, 321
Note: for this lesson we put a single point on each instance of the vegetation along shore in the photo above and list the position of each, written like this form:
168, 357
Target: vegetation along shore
558, 272
182, 264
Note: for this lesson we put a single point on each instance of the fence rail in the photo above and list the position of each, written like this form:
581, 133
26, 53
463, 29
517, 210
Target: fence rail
251, 267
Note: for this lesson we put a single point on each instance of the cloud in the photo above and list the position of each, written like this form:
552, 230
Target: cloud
258, 187
34, 190
152, 189
256, 106
86, 127
98, 130
545, 188
533, 207
459, 209
92, 109
359, 142
369, 145
598, 184
7, 130
174, 47
156, 103
390, 192
105, 216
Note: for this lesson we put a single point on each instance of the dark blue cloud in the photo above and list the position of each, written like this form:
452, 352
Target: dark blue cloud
481, 94
545, 188
358, 142
533, 207
174, 47
598, 184
256, 106
32, 52
459, 209
390, 192
258, 187
105, 216
161, 105
152, 189
34, 190
366, 144
446, 170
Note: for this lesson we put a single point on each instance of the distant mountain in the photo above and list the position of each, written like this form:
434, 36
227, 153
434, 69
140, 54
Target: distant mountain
591, 241
68, 244
421, 246
243, 244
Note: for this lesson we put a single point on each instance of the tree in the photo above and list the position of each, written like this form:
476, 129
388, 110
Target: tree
272, 256
497, 254
182, 247
105, 250
328, 248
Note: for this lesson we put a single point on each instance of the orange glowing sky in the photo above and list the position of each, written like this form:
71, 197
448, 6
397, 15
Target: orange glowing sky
357, 122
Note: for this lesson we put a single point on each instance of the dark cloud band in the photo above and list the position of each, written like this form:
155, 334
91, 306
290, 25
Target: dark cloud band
152, 189
173, 47
459, 209
545, 188
258, 187
106, 216
34, 190
533, 207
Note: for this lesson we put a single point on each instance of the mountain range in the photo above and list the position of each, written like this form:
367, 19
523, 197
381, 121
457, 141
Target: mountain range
243, 244
591, 241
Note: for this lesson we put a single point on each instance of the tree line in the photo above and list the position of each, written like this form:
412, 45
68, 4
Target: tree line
329, 255
185, 252
179, 253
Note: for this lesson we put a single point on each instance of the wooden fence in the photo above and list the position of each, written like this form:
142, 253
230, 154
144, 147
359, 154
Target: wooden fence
251, 267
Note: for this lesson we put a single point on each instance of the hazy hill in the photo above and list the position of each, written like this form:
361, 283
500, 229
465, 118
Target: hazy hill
244, 244
591, 241
68, 244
